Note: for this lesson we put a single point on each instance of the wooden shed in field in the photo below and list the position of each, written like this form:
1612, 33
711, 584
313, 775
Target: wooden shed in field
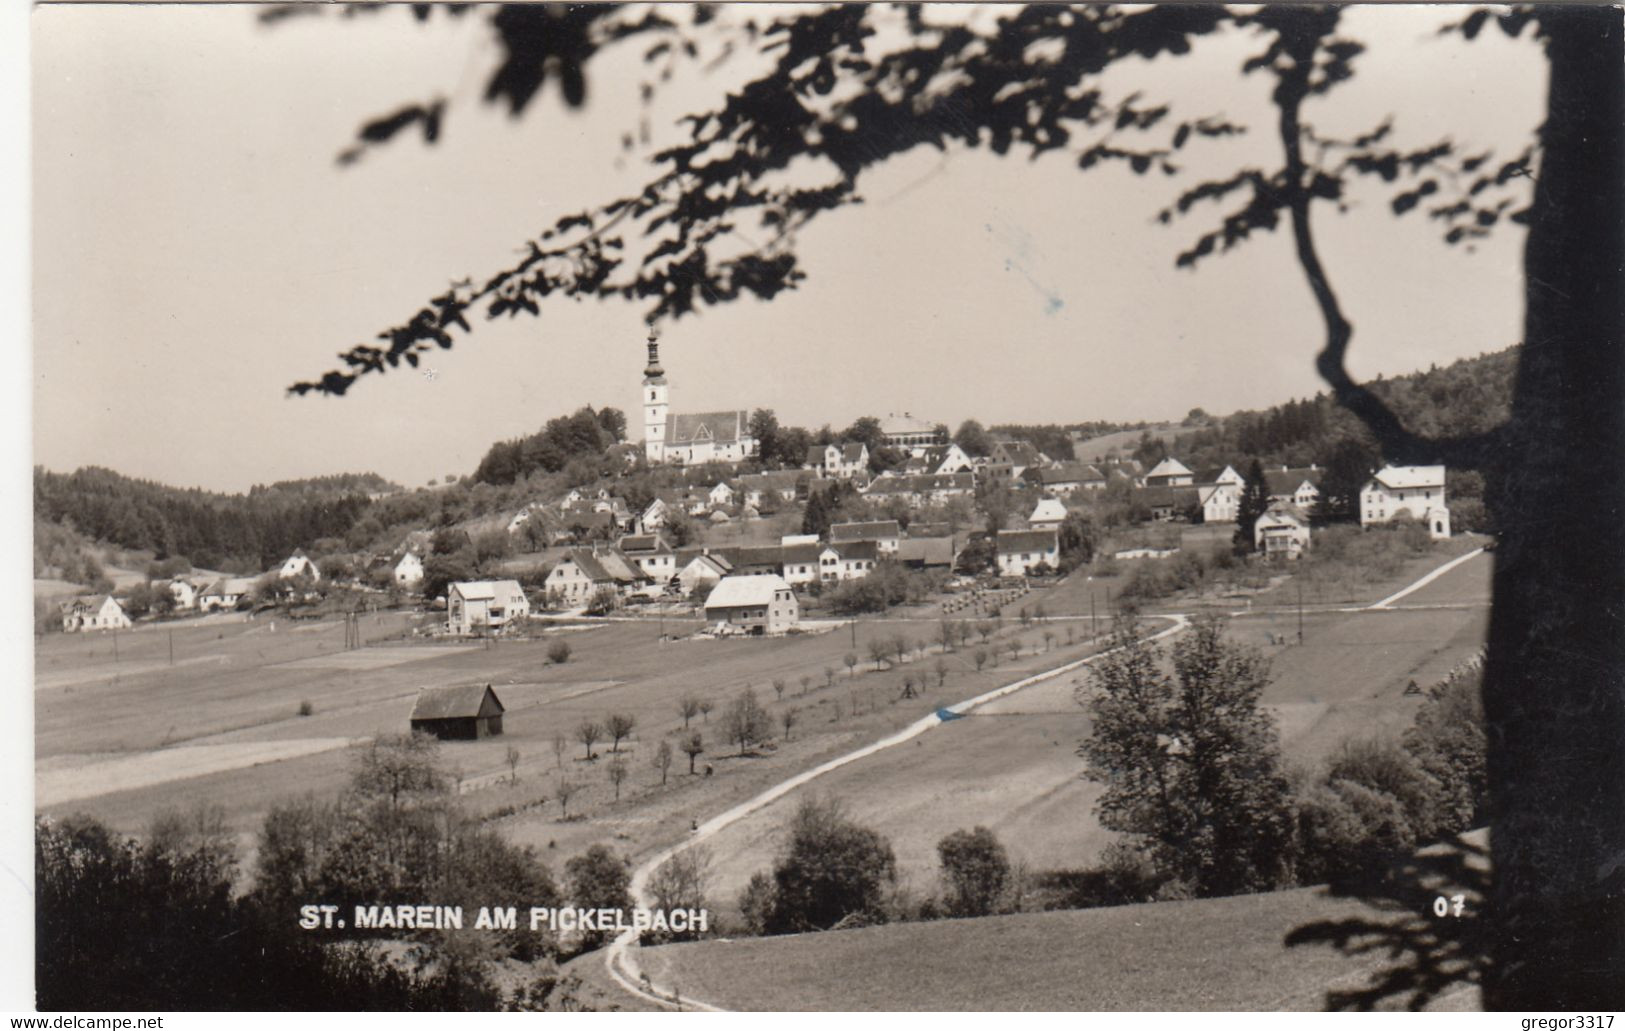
465, 713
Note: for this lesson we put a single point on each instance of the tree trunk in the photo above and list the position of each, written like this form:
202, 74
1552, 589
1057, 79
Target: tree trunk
1554, 681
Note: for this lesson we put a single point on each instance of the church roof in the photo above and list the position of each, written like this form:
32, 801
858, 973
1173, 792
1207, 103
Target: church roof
706, 428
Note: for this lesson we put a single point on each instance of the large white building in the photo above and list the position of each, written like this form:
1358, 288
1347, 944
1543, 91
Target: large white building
688, 439
760, 604
1414, 489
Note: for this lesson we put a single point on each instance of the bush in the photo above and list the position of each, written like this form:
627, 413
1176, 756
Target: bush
558, 653
1348, 832
1448, 740
598, 880
831, 872
975, 872
305, 708
1383, 765
1122, 876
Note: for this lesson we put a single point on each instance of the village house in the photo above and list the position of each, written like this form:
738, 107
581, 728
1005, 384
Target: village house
940, 459
1170, 472
994, 474
884, 532
1167, 503
850, 561
1299, 487
1048, 514
1282, 531
927, 553
762, 604
906, 433
478, 605
799, 562
701, 569
183, 592
225, 593
582, 572
838, 461
720, 494
1220, 495
462, 713
769, 488
408, 571
1067, 478
1019, 455
94, 612
689, 439
1019, 552
1417, 490
652, 555
299, 565
1125, 470
653, 517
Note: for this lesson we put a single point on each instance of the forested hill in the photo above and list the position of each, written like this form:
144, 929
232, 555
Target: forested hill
1468, 396
211, 529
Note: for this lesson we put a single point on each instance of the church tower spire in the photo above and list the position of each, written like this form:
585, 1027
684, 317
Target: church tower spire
655, 402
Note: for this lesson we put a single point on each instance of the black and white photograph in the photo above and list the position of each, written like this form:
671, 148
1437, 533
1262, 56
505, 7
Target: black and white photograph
821, 507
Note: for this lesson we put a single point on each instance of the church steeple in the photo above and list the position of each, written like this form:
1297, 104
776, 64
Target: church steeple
653, 371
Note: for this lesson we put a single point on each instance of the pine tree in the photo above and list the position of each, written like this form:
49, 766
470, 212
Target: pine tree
1255, 500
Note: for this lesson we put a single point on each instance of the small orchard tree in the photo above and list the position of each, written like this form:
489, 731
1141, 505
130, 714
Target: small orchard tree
558, 653
900, 647
829, 676
617, 775
831, 870
851, 661
879, 649
945, 634
980, 658
745, 722
589, 733
778, 688
788, 718
559, 747
688, 707
975, 872
693, 746
663, 760
985, 628
941, 670
706, 705
512, 758
564, 791
806, 683
619, 727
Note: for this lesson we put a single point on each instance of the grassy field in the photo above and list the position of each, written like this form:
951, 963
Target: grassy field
1095, 448
1212, 954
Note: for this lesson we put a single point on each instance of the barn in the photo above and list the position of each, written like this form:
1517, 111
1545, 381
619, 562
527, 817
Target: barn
464, 713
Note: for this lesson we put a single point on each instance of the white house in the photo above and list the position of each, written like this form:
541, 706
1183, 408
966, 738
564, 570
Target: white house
721, 494
299, 565
700, 571
850, 561
582, 572
484, 605
838, 461
409, 570
651, 554
184, 592
884, 532
907, 433
1282, 531
1048, 514
1415, 489
653, 517
225, 594
1067, 478
1021, 551
1220, 495
94, 612
800, 562
1299, 487
1170, 472
760, 604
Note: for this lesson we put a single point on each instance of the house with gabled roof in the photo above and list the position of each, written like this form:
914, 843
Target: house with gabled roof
927, 552
1219, 493
1170, 472
1019, 552
884, 532
760, 604
908, 433
299, 565
1020, 454
94, 612
1300, 486
650, 553
408, 572
838, 461
1416, 490
475, 606
225, 593
851, 560
1282, 531
1048, 514
1066, 478
698, 568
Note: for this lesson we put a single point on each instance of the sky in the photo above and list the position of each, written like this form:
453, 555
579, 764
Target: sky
196, 249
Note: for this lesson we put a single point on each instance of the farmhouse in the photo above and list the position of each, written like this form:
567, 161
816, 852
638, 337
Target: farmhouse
298, 564
94, 612
853, 560
927, 553
761, 604
799, 562
1417, 490
700, 570
225, 594
184, 592
688, 439
1048, 514
409, 570
1170, 472
651, 554
1022, 551
582, 572
465, 713
838, 461
1067, 478
1020, 455
1282, 531
884, 532
1299, 487
1167, 503
765, 488
1220, 495
940, 458
484, 605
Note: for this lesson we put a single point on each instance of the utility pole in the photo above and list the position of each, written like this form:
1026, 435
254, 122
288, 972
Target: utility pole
1094, 628
1300, 612
172, 647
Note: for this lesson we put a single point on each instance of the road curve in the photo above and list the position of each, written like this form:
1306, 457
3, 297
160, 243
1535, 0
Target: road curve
618, 957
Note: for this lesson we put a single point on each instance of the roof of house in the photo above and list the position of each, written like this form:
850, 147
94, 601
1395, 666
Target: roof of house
230, 585
1164, 497
706, 427
894, 424
644, 542
1026, 540
1048, 510
930, 551
732, 591
1210, 475
800, 552
1017, 452
88, 601
857, 550
1409, 477
1284, 511
1070, 472
1169, 466
456, 702
874, 530
688, 556
776, 479
487, 590
1287, 481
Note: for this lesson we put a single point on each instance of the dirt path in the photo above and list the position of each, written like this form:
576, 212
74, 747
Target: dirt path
618, 960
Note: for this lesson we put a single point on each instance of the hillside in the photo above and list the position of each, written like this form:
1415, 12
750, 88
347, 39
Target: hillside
1208, 954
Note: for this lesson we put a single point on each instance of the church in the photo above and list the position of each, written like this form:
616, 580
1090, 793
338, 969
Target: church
688, 439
